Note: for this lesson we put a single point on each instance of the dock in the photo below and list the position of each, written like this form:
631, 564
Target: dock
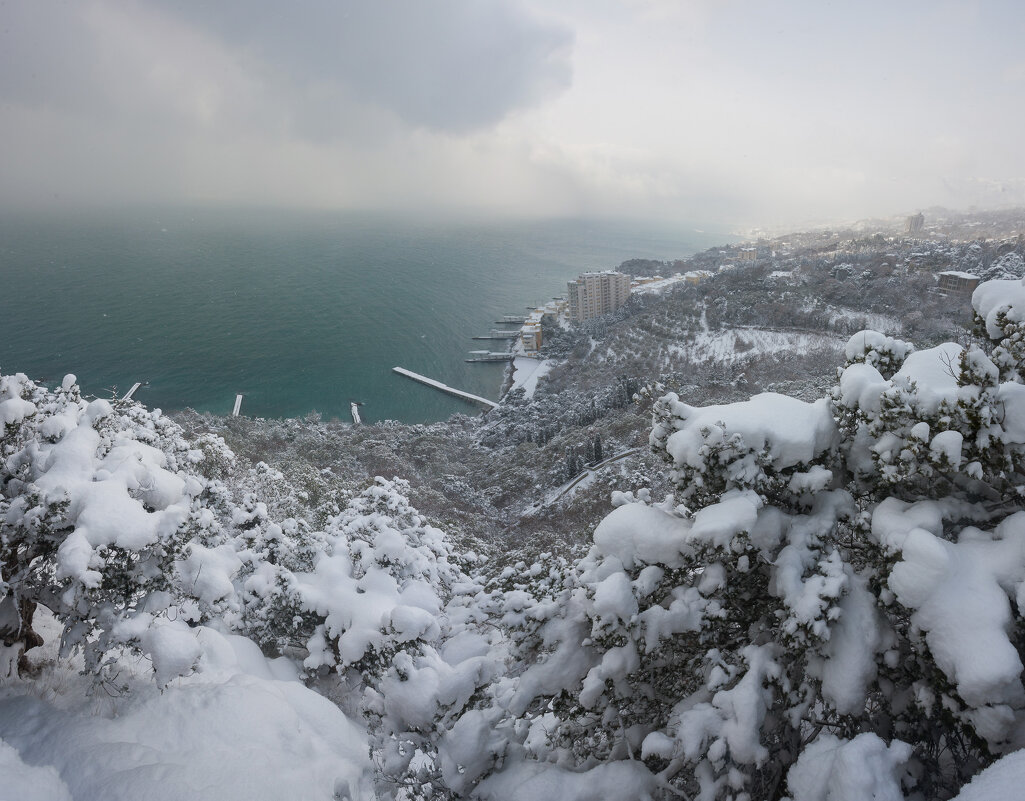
238, 405
445, 388
497, 334
512, 319
489, 356
129, 393
354, 408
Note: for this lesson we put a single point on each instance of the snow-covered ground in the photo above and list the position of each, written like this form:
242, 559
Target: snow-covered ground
661, 284
739, 343
885, 323
527, 372
242, 727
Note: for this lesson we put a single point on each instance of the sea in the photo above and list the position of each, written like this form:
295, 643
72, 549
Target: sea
299, 311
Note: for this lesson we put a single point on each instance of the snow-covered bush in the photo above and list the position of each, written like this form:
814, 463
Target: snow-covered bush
135, 538
834, 613
96, 511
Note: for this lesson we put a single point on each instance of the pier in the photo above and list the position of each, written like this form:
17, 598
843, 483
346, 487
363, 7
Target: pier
129, 393
497, 334
238, 405
489, 356
512, 319
445, 388
354, 408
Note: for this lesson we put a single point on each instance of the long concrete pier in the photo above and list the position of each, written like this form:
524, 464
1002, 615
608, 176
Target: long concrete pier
354, 408
129, 393
445, 388
238, 405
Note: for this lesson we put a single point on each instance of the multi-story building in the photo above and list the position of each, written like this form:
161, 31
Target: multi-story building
530, 332
530, 337
597, 293
953, 282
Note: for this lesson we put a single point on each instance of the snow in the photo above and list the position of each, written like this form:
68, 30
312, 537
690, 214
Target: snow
850, 663
14, 410
733, 718
741, 343
862, 387
934, 373
871, 320
173, 648
862, 769
862, 345
958, 592
527, 372
993, 297
660, 284
531, 781
614, 598
813, 480
21, 782
1001, 781
1012, 399
789, 430
468, 749
640, 534
184, 741
719, 523
947, 445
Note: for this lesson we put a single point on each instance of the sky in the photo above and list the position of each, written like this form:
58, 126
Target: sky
719, 111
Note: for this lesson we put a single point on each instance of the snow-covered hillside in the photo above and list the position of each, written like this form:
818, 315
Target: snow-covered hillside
826, 607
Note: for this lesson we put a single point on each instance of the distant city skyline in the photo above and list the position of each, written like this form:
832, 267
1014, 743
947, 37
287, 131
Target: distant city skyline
739, 113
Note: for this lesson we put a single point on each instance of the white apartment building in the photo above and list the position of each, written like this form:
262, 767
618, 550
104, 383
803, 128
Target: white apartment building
598, 293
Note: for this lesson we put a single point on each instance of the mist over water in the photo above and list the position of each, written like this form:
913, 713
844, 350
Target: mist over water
297, 311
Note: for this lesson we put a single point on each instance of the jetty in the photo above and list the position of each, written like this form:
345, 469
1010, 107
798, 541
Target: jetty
489, 356
129, 393
445, 388
499, 334
354, 408
512, 319
238, 405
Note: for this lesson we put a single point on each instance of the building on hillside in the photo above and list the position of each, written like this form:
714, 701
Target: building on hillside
953, 282
597, 293
747, 254
916, 223
530, 332
530, 337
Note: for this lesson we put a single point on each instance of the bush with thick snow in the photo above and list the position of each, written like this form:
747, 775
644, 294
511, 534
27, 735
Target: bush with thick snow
833, 613
136, 539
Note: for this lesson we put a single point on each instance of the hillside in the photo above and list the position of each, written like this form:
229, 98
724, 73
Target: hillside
794, 567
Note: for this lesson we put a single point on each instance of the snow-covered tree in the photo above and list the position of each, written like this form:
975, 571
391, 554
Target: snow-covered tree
831, 611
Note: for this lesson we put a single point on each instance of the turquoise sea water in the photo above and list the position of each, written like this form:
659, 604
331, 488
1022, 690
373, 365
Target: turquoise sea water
298, 311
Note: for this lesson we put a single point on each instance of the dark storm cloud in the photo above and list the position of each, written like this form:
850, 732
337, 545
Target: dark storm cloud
447, 65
